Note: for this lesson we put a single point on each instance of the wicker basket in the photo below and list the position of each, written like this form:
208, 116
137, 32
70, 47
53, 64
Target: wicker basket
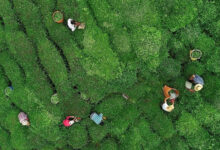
59, 20
195, 51
8, 90
54, 99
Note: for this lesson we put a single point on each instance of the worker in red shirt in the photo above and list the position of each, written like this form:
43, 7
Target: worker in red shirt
70, 120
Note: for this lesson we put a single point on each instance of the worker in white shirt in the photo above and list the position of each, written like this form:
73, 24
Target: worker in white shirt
72, 24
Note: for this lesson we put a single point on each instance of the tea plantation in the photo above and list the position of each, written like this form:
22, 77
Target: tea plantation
131, 47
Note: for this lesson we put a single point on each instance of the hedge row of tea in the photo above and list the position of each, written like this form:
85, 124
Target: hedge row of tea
128, 46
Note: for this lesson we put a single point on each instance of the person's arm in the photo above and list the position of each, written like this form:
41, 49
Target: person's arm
177, 92
192, 77
77, 23
76, 119
68, 117
191, 90
172, 101
165, 100
26, 118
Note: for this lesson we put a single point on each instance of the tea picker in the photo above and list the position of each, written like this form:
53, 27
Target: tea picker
97, 118
72, 24
195, 83
170, 94
23, 119
70, 120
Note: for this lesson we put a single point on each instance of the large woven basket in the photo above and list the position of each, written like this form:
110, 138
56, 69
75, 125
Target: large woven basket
193, 58
58, 20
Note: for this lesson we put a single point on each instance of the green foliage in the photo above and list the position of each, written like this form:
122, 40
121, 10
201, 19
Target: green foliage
12, 70
169, 69
108, 144
178, 143
174, 13
77, 136
48, 54
178, 49
195, 135
191, 67
2, 39
208, 116
136, 92
187, 125
32, 20
5, 138
120, 123
190, 34
143, 12
3, 82
131, 140
208, 12
205, 44
213, 63
97, 133
8, 16
107, 18
212, 82
160, 123
150, 139
97, 49
214, 28
26, 55
121, 41
147, 43
48, 147
111, 106
139, 135
163, 126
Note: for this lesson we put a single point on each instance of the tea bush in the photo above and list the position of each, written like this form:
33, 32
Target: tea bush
109, 144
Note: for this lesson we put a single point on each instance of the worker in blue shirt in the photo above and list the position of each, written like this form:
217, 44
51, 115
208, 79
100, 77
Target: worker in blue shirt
97, 118
195, 83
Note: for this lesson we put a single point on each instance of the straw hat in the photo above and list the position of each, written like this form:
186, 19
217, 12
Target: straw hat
198, 87
170, 108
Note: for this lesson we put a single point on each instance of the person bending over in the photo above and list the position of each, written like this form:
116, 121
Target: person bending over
70, 120
72, 24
